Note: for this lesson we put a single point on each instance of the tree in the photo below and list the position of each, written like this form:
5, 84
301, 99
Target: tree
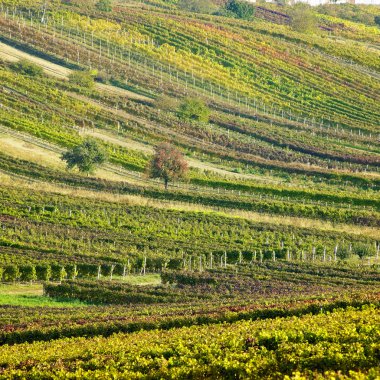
167, 163
194, 109
104, 5
241, 9
23, 66
303, 19
82, 79
85, 156
377, 20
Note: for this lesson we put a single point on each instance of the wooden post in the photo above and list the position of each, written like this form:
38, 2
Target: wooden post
112, 269
99, 271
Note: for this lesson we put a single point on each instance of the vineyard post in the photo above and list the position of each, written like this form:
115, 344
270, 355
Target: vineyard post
99, 272
225, 259
124, 271
324, 254
111, 273
211, 259
261, 256
240, 257
274, 256
200, 263
335, 252
144, 266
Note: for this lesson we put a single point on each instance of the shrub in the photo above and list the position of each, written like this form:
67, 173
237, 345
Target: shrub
82, 79
240, 9
194, 109
27, 68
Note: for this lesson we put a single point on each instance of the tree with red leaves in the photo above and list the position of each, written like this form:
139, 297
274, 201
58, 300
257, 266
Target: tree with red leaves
167, 163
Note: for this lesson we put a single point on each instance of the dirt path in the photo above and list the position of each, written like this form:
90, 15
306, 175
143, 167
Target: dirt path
132, 144
11, 54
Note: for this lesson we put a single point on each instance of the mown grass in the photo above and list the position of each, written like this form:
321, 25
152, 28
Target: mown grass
31, 295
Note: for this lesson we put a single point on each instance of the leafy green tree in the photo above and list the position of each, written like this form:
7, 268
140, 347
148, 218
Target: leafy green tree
241, 9
363, 250
377, 20
194, 109
25, 67
167, 163
85, 156
82, 79
104, 5
198, 6
303, 18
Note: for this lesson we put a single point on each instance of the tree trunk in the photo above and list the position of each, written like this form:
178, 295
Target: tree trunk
166, 183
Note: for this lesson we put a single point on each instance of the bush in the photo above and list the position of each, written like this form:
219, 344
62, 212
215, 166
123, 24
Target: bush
240, 9
82, 79
194, 109
26, 67
363, 250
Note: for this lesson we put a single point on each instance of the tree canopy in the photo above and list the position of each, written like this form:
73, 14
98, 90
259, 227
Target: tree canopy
167, 164
194, 109
240, 9
85, 156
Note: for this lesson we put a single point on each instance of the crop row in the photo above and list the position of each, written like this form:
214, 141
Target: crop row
318, 345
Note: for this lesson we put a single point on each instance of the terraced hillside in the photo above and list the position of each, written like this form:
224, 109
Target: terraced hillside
278, 216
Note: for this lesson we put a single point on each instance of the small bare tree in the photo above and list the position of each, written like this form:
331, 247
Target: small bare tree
167, 163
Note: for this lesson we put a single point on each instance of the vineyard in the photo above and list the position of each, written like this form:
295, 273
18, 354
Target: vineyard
261, 262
